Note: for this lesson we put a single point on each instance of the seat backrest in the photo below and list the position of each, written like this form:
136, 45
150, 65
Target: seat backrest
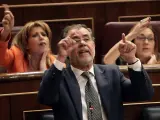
114, 30
151, 113
15, 30
48, 115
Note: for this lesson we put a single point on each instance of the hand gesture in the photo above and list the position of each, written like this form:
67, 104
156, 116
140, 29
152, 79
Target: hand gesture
65, 46
43, 61
152, 60
8, 19
139, 27
127, 50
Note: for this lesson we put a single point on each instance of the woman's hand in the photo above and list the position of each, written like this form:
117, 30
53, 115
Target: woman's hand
139, 27
7, 22
43, 65
152, 60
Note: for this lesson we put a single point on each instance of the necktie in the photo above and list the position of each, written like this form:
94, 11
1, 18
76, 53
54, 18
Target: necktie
92, 101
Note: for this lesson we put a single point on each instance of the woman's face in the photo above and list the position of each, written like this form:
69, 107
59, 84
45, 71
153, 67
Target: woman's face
145, 44
38, 41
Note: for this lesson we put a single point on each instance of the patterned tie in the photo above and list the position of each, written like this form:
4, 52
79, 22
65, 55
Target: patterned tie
92, 101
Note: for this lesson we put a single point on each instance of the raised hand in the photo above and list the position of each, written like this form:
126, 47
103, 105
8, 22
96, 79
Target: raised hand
65, 46
127, 50
139, 27
8, 19
43, 66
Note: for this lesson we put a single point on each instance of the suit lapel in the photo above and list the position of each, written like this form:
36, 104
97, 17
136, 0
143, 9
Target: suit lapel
74, 91
103, 87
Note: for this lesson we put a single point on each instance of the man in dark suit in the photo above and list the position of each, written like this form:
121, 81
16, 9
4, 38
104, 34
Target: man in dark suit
100, 94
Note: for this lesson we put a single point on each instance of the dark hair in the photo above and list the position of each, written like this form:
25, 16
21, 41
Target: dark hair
76, 26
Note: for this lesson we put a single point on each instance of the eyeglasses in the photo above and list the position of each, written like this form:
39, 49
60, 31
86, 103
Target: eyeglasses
78, 40
144, 38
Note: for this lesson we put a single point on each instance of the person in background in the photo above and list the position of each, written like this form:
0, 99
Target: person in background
144, 38
30, 50
87, 91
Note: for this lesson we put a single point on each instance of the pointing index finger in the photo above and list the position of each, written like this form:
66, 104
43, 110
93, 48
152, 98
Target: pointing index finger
123, 38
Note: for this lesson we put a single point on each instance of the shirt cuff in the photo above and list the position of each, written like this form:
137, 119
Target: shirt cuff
59, 65
136, 66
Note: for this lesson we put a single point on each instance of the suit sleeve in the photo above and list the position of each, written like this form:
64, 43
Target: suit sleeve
49, 87
138, 88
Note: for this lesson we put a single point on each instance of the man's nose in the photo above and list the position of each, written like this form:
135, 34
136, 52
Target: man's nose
83, 42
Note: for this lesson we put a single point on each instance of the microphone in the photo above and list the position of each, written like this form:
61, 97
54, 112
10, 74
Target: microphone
91, 108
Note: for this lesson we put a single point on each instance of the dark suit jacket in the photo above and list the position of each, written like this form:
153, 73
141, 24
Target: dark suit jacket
60, 90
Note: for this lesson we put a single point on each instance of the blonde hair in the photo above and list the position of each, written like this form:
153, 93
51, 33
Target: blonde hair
21, 38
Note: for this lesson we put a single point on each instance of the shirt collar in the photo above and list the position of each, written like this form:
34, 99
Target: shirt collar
78, 72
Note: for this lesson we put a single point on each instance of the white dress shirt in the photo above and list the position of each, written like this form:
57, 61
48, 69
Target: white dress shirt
82, 82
